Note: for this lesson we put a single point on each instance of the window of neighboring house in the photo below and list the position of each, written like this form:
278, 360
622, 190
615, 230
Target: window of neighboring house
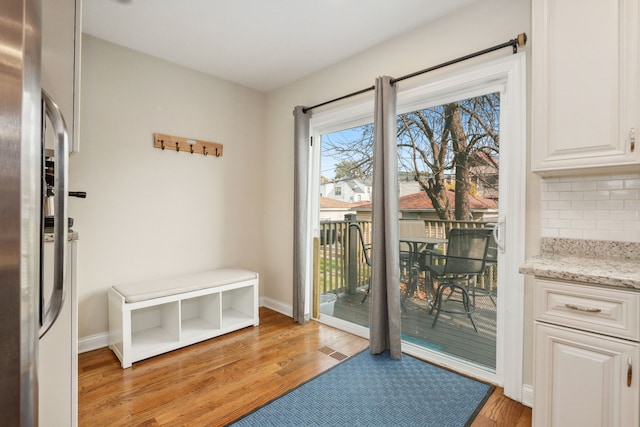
338, 191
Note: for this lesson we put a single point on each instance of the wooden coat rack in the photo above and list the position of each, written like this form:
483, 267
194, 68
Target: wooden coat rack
190, 145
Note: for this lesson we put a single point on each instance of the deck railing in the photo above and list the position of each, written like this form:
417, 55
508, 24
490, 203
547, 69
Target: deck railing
342, 266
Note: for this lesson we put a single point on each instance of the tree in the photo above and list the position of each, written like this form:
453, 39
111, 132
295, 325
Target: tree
348, 169
457, 140
451, 139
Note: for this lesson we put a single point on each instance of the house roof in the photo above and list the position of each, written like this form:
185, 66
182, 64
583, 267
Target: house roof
420, 201
327, 203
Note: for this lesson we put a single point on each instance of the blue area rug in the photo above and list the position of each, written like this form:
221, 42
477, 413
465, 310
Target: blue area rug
375, 390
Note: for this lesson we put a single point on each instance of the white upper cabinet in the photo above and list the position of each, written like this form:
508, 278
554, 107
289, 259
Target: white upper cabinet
585, 94
60, 74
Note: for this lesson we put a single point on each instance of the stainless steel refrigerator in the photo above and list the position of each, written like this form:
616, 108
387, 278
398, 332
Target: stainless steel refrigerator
23, 110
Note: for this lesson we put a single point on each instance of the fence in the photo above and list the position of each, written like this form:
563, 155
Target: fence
342, 262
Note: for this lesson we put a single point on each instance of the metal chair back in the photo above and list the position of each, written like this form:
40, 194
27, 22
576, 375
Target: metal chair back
467, 251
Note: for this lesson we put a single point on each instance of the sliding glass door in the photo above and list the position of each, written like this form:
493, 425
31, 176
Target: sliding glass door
460, 151
448, 176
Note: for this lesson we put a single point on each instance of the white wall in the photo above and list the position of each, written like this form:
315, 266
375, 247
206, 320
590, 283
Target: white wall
483, 24
152, 213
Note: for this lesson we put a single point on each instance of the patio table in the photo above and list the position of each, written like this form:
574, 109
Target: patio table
417, 246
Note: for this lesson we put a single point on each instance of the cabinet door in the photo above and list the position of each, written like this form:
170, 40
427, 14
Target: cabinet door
580, 379
585, 84
61, 62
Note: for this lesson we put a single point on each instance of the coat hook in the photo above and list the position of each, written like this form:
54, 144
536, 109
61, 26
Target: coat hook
204, 150
217, 154
177, 146
162, 144
191, 148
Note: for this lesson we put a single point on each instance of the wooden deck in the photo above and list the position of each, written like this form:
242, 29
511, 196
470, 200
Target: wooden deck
452, 334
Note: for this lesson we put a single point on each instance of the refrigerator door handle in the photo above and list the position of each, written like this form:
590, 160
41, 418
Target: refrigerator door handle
60, 228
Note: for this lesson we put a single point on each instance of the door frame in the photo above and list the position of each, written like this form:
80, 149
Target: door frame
508, 76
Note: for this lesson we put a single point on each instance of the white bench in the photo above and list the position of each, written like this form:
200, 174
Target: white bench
154, 317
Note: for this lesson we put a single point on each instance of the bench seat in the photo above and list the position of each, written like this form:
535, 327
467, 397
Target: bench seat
157, 316
141, 291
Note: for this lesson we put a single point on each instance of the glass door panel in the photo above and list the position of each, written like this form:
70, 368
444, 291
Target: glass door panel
344, 252
449, 177
448, 173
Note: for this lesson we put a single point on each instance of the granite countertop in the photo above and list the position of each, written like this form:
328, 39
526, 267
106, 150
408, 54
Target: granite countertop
588, 261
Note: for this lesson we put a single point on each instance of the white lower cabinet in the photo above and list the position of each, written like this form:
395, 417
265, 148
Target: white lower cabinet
582, 378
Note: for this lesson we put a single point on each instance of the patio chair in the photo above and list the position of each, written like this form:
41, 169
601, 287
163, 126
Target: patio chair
464, 261
409, 263
366, 249
408, 267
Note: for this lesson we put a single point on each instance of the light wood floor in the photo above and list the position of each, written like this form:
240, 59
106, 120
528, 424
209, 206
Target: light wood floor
214, 382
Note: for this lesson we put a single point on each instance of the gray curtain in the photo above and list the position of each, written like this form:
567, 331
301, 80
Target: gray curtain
300, 212
384, 313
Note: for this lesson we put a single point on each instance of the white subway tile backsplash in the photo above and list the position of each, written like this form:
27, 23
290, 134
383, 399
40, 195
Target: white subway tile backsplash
572, 195
609, 225
571, 214
559, 223
608, 205
624, 194
596, 195
591, 207
583, 224
583, 186
560, 186
584, 205
550, 214
625, 236
560, 204
611, 184
597, 234
571, 234
631, 225
593, 214
547, 196
625, 215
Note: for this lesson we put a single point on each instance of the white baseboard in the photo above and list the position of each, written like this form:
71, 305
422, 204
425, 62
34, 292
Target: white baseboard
527, 395
93, 342
276, 305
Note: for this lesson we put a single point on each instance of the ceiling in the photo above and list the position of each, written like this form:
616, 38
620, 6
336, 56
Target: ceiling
261, 44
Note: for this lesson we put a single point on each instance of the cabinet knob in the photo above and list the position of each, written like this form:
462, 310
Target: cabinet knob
632, 139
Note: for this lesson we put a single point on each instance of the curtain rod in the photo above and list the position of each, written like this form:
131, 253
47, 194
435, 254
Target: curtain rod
520, 40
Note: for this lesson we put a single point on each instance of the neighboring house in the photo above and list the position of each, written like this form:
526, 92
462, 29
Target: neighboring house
484, 178
334, 210
351, 190
407, 184
419, 206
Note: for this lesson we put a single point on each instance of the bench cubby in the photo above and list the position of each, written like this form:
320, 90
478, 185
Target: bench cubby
155, 317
